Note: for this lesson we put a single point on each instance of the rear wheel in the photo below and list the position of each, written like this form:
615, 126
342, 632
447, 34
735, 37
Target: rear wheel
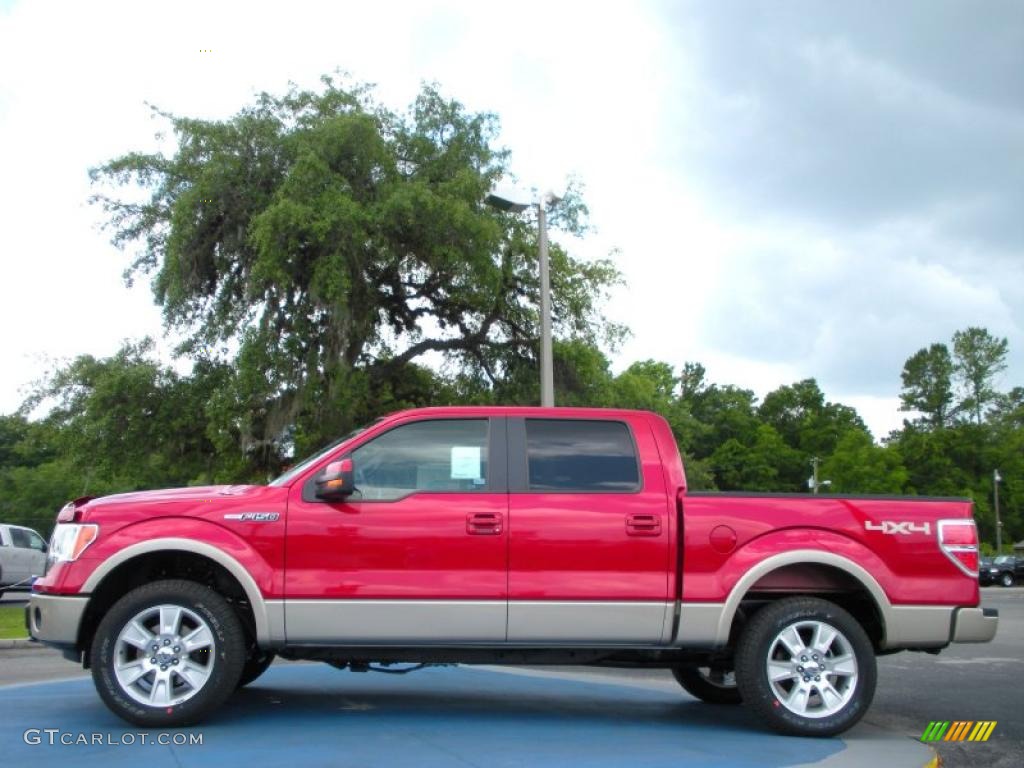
712, 685
1006, 579
168, 654
806, 667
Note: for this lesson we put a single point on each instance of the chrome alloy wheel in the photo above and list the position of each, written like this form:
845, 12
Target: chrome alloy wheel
164, 655
812, 669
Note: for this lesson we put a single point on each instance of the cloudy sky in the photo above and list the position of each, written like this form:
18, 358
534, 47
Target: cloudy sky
794, 188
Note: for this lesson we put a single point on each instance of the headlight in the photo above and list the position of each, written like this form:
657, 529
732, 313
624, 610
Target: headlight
70, 540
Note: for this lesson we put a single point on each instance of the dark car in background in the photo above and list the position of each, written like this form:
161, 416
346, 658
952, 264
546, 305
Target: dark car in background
987, 572
1006, 570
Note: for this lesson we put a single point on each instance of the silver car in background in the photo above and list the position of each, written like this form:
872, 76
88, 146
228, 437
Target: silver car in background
22, 556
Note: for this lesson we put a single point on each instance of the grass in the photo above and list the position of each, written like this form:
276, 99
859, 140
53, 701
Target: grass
12, 622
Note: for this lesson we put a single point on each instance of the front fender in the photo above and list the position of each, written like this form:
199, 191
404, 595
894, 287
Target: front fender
225, 547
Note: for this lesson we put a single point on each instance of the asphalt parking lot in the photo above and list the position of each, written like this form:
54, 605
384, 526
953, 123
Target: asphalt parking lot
438, 717
964, 682
491, 717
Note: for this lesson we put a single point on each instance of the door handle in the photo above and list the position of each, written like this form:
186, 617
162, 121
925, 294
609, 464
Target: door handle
483, 523
643, 525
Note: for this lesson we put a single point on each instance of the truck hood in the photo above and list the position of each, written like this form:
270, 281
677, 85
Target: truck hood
196, 493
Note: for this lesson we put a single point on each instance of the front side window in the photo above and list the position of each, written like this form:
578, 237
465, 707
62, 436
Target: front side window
440, 456
20, 538
581, 456
35, 541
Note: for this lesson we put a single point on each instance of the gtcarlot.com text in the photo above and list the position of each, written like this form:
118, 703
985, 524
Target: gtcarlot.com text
57, 737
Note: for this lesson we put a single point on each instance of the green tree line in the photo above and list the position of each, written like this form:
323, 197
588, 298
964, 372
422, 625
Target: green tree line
325, 260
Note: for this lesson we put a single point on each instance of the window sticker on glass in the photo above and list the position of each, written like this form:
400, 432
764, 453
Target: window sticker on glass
466, 462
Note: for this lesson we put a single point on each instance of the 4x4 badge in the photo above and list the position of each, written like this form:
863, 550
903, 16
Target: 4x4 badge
906, 527
254, 517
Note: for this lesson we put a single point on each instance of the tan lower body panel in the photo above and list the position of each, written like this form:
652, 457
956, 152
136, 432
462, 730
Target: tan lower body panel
587, 623
454, 622
910, 626
361, 622
521, 622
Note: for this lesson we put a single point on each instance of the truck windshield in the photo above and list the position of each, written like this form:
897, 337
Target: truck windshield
299, 468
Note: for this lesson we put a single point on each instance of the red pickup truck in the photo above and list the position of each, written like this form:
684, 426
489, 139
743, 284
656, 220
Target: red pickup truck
506, 535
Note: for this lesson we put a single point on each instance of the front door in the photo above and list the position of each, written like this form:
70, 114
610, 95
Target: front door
418, 553
589, 528
35, 558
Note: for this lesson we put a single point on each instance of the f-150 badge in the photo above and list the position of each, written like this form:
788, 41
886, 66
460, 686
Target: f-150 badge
906, 528
254, 517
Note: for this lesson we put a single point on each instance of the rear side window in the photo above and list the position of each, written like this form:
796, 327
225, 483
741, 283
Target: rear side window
20, 538
582, 456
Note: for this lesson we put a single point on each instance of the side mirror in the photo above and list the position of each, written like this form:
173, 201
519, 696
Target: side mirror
337, 481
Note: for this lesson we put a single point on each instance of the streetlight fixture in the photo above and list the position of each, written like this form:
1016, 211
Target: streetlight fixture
514, 201
996, 480
813, 482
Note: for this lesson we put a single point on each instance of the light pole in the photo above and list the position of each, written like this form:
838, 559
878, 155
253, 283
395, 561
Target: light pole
813, 481
511, 202
996, 479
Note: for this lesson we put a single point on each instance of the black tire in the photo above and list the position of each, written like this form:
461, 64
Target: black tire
1006, 579
761, 638
226, 662
257, 663
708, 685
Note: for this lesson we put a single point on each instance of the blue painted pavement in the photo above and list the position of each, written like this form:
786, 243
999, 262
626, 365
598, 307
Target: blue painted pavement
306, 715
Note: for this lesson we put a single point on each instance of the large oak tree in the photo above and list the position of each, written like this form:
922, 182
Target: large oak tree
324, 244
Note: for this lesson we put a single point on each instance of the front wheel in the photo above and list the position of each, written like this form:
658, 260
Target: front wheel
1006, 580
712, 685
168, 654
806, 667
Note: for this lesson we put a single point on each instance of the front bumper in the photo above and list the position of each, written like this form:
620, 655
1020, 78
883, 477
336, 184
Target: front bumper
975, 625
55, 619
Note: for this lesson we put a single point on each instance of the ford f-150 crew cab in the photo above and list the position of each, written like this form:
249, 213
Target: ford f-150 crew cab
507, 535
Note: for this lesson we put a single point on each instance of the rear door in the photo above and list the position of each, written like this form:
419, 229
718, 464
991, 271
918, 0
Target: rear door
588, 532
418, 553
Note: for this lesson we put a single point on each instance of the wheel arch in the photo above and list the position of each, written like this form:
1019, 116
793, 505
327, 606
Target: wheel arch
803, 557
264, 625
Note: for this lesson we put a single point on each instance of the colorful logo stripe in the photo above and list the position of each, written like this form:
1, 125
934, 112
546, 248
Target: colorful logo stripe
958, 730
982, 730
